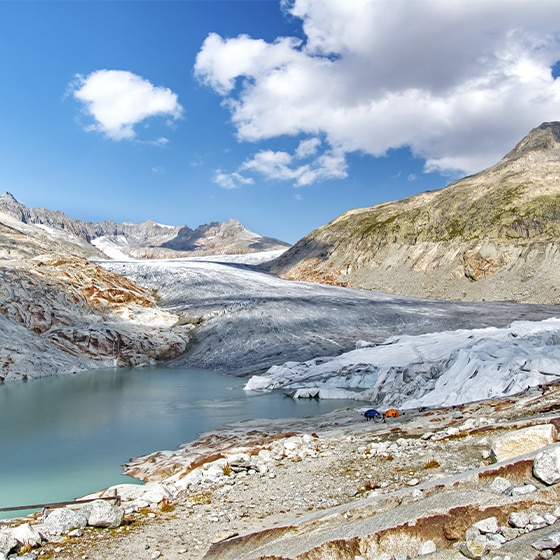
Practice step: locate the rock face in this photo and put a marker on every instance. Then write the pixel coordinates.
(148, 239)
(490, 236)
(61, 313)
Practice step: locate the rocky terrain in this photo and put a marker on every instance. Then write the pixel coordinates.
(148, 240)
(479, 480)
(61, 313)
(491, 236)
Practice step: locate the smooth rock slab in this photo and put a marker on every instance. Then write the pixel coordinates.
(523, 441)
(550, 541)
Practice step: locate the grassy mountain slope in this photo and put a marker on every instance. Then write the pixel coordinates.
(493, 235)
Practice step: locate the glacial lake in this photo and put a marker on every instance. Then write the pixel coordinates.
(66, 436)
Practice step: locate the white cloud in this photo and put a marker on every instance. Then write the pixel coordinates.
(231, 180)
(283, 166)
(459, 82)
(307, 148)
(117, 100)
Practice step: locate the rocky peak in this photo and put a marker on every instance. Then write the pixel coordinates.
(149, 239)
(544, 138)
(489, 236)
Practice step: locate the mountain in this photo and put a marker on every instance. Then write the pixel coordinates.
(62, 313)
(490, 236)
(148, 239)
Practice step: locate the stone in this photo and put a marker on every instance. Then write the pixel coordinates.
(500, 485)
(519, 519)
(546, 466)
(103, 513)
(488, 525)
(427, 548)
(27, 535)
(62, 520)
(550, 541)
(7, 542)
(522, 441)
(510, 533)
(522, 490)
(474, 549)
(537, 521)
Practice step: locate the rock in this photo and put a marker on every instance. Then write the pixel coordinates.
(550, 541)
(522, 441)
(500, 485)
(62, 520)
(537, 521)
(474, 549)
(103, 513)
(519, 519)
(510, 533)
(489, 525)
(546, 466)
(27, 535)
(522, 490)
(7, 542)
(427, 548)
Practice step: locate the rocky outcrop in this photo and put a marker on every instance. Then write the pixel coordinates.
(147, 240)
(61, 313)
(490, 236)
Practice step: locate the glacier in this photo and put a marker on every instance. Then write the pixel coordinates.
(434, 369)
(249, 322)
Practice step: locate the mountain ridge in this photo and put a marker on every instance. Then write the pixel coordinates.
(493, 235)
(148, 239)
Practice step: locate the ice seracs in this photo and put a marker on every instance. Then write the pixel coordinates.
(438, 369)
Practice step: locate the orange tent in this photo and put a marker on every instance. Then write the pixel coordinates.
(392, 413)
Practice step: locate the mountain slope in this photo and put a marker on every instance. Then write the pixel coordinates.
(61, 313)
(490, 236)
(148, 239)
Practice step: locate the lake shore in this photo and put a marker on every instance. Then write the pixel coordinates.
(332, 465)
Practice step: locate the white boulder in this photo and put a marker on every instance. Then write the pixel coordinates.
(103, 513)
(523, 441)
(546, 466)
(62, 520)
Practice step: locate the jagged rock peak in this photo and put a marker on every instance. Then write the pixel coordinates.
(543, 138)
(149, 239)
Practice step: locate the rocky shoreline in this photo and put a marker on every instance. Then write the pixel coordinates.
(335, 486)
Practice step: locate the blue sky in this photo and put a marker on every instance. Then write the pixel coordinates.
(282, 114)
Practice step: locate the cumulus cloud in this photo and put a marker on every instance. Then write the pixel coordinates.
(118, 100)
(283, 166)
(458, 82)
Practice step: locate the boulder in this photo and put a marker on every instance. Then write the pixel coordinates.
(7, 542)
(103, 513)
(522, 441)
(488, 525)
(546, 466)
(27, 535)
(63, 520)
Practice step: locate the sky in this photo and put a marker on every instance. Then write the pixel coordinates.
(282, 114)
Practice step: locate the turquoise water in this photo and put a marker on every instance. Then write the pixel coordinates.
(63, 437)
